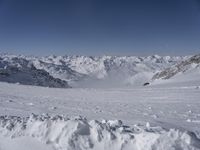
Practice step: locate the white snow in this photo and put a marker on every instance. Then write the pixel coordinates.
(164, 115)
(85, 71)
(79, 134)
(159, 117)
(22, 143)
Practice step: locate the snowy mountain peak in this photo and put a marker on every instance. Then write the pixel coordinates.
(107, 69)
(84, 71)
(192, 63)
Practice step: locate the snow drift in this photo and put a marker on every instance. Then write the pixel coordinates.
(80, 134)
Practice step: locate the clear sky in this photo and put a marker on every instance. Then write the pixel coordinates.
(100, 27)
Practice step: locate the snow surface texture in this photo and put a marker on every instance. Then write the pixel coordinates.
(84, 71)
(79, 134)
(172, 112)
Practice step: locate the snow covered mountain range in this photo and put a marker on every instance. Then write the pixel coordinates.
(90, 71)
(163, 115)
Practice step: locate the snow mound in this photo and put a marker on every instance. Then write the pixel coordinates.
(80, 134)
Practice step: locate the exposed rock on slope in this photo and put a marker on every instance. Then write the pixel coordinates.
(101, 67)
(105, 70)
(182, 67)
(59, 71)
(20, 70)
(89, 70)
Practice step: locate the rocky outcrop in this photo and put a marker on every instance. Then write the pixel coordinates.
(22, 71)
(183, 66)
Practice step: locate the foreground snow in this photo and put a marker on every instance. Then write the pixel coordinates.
(79, 134)
(172, 111)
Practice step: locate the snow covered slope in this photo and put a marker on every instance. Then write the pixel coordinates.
(158, 117)
(188, 69)
(20, 70)
(155, 117)
(111, 71)
(85, 71)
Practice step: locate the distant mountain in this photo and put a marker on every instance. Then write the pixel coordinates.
(100, 67)
(19, 70)
(105, 70)
(83, 71)
(188, 66)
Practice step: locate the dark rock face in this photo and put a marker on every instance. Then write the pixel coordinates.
(19, 70)
(181, 67)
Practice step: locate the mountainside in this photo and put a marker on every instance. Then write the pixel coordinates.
(20, 70)
(187, 70)
(100, 67)
(84, 71)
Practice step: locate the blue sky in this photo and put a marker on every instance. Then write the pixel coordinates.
(100, 27)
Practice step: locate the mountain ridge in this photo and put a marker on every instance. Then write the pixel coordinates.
(181, 67)
(80, 71)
